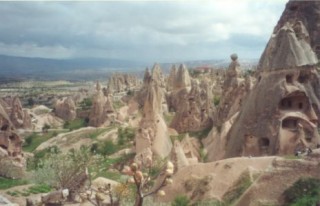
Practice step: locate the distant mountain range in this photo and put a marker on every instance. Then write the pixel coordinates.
(14, 68)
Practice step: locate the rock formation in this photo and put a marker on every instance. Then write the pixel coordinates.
(65, 109)
(185, 153)
(152, 138)
(102, 108)
(307, 12)
(172, 78)
(235, 88)
(156, 74)
(193, 106)
(281, 113)
(122, 82)
(154, 77)
(12, 162)
(19, 117)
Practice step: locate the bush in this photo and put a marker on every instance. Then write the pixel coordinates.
(181, 200)
(305, 191)
(216, 100)
(8, 183)
(75, 124)
(125, 135)
(107, 148)
(86, 103)
(238, 188)
(58, 170)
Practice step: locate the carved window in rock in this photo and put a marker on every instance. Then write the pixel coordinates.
(264, 142)
(289, 79)
(308, 136)
(290, 123)
(4, 127)
(303, 78)
(317, 48)
(296, 101)
(3, 146)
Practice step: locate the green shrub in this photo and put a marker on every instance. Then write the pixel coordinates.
(75, 124)
(86, 103)
(304, 192)
(238, 189)
(8, 183)
(105, 148)
(35, 139)
(181, 200)
(216, 100)
(125, 135)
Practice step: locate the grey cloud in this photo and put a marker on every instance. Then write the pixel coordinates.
(153, 31)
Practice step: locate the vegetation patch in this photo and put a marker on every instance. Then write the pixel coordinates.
(36, 189)
(86, 103)
(8, 183)
(200, 134)
(98, 132)
(238, 189)
(118, 104)
(75, 124)
(181, 200)
(35, 139)
(168, 117)
(304, 192)
(216, 100)
(125, 135)
(40, 156)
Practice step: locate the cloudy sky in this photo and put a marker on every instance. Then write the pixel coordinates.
(148, 31)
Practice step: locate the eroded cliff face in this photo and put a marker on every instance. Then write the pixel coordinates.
(12, 162)
(308, 12)
(235, 91)
(281, 113)
(65, 109)
(122, 82)
(152, 138)
(191, 100)
(19, 117)
(102, 108)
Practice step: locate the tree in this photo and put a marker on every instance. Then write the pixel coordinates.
(65, 171)
(142, 181)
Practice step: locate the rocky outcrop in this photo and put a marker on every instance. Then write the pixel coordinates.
(307, 12)
(288, 48)
(193, 108)
(152, 138)
(19, 117)
(65, 109)
(12, 162)
(123, 82)
(235, 88)
(172, 78)
(102, 108)
(178, 79)
(155, 77)
(281, 114)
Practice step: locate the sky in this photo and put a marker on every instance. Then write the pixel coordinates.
(146, 31)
